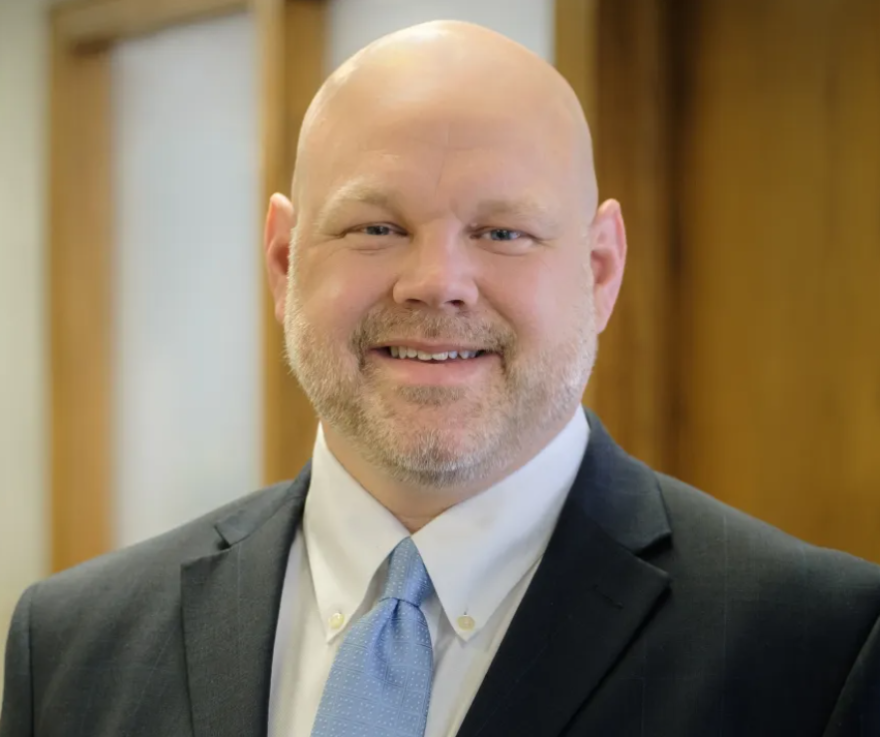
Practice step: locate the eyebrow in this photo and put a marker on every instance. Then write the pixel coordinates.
(357, 193)
(526, 208)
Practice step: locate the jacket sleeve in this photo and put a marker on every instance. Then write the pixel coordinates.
(857, 712)
(16, 713)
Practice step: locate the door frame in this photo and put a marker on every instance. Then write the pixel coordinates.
(81, 216)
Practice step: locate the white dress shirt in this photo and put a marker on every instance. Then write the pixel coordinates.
(481, 555)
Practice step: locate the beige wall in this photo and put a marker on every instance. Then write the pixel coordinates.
(23, 336)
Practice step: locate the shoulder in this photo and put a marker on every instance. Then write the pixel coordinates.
(150, 570)
(760, 563)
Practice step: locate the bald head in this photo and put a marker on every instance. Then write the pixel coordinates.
(443, 271)
(450, 75)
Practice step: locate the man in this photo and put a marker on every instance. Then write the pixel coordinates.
(468, 552)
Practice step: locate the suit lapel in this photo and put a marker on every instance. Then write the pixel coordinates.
(590, 595)
(230, 612)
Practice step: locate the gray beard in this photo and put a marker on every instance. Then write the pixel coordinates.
(534, 398)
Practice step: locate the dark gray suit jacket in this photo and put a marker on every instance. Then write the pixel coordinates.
(656, 612)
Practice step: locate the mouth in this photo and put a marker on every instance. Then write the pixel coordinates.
(432, 355)
(418, 364)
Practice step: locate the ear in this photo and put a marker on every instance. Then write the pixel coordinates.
(607, 259)
(276, 242)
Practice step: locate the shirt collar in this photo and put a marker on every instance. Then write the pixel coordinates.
(348, 535)
(475, 552)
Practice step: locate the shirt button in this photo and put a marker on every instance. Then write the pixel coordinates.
(466, 623)
(337, 620)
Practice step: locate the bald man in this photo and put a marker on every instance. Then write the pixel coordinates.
(468, 553)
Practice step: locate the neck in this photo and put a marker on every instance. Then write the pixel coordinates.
(415, 505)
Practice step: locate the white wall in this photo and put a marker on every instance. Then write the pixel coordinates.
(355, 23)
(188, 280)
(23, 337)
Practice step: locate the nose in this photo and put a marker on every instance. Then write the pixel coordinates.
(438, 272)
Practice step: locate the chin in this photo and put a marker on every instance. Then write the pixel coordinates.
(438, 470)
(437, 455)
(417, 438)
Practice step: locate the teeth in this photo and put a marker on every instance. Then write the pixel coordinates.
(405, 352)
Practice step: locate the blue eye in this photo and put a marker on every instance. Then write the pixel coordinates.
(503, 234)
(378, 230)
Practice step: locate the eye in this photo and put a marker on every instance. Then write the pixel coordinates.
(374, 237)
(503, 234)
(380, 230)
(505, 241)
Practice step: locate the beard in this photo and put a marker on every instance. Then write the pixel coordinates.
(435, 436)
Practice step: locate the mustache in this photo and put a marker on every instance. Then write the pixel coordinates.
(383, 325)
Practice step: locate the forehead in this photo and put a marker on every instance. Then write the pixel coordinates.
(430, 152)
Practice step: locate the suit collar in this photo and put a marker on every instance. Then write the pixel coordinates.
(249, 517)
(590, 595)
(230, 605)
(616, 491)
(619, 493)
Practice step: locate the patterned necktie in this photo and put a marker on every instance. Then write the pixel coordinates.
(380, 682)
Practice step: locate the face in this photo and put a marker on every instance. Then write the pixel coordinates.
(439, 307)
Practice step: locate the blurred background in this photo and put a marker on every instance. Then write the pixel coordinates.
(141, 372)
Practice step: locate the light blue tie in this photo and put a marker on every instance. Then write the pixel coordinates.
(380, 682)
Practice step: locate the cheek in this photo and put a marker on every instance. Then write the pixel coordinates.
(542, 298)
(337, 290)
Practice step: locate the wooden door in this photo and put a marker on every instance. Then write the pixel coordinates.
(777, 125)
(743, 141)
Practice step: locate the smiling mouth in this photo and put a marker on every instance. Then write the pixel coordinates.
(404, 353)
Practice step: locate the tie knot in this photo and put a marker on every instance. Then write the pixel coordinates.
(408, 579)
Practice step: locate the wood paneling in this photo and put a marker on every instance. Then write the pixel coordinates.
(576, 29)
(616, 56)
(779, 182)
(80, 251)
(741, 139)
(293, 33)
(633, 378)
